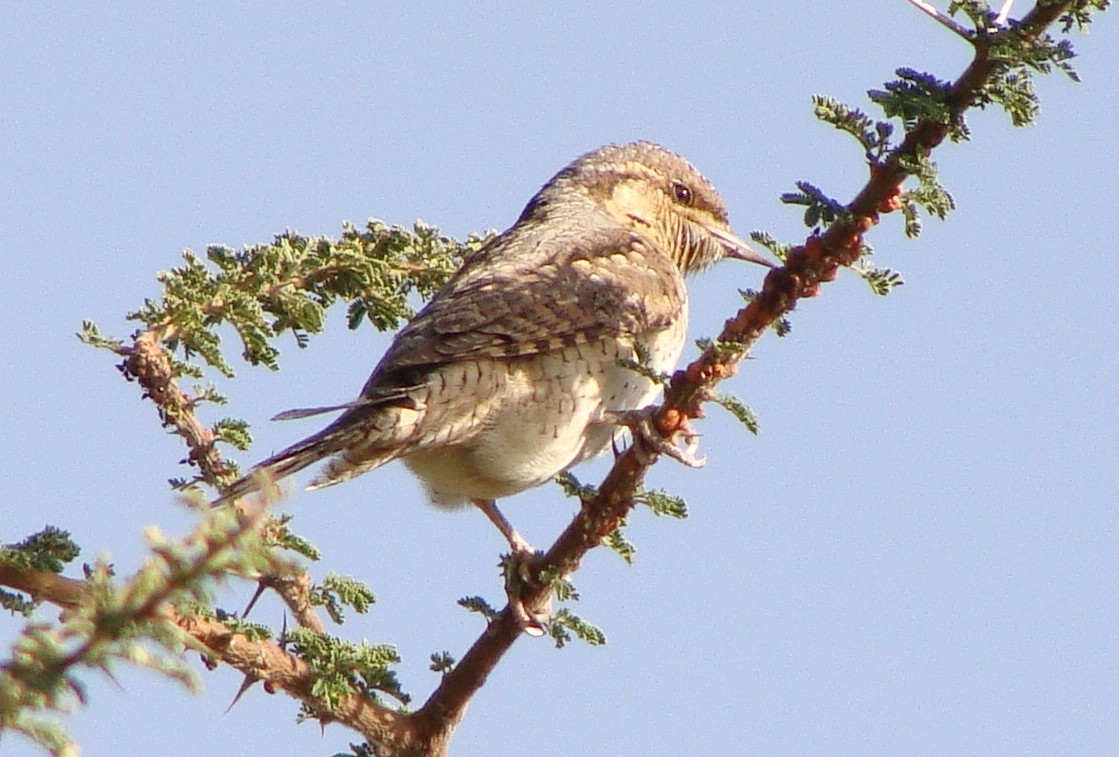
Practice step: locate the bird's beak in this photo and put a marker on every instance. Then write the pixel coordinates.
(735, 248)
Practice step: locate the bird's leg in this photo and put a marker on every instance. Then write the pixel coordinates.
(517, 571)
(517, 543)
(648, 440)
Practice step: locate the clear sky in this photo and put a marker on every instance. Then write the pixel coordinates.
(916, 556)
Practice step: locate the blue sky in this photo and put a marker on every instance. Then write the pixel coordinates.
(916, 556)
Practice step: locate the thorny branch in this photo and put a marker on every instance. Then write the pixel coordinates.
(148, 361)
(258, 660)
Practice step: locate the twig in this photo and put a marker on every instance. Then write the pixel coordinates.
(147, 360)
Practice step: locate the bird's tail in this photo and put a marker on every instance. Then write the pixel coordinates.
(281, 465)
(340, 442)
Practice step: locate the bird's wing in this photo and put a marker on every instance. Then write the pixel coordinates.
(532, 291)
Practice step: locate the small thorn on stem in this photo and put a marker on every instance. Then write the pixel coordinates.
(946, 20)
(1004, 13)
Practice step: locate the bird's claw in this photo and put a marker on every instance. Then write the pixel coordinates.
(648, 441)
(517, 568)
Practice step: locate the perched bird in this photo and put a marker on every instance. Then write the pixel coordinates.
(510, 374)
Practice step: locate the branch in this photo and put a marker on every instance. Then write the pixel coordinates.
(376, 270)
(152, 367)
(259, 660)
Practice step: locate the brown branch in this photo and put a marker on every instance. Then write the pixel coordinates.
(41, 585)
(149, 363)
(295, 591)
(280, 669)
(259, 660)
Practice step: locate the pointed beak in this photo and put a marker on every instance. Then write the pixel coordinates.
(736, 248)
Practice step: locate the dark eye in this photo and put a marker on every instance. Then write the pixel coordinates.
(681, 192)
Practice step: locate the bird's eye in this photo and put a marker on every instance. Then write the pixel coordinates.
(681, 192)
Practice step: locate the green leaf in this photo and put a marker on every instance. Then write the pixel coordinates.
(337, 591)
(882, 281)
(564, 589)
(252, 631)
(662, 503)
(566, 623)
(48, 550)
(721, 350)
(736, 407)
(16, 603)
(617, 541)
(479, 605)
(929, 192)
(281, 536)
(343, 669)
(91, 335)
(234, 432)
(874, 136)
(820, 210)
(572, 487)
(917, 96)
(780, 250)
(442, 662)
(641, 365)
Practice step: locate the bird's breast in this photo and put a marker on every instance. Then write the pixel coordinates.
(535, 416)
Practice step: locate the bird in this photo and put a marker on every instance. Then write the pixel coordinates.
(515, 370)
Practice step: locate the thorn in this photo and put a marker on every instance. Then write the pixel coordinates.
(614, 446)
(946, 20)
(1004, 13)
(252, 601)
(245, 686)
(108, 674)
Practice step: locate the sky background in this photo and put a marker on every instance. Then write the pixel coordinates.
(918, 555)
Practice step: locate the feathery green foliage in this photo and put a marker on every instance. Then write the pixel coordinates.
(480, 606)
(616, 540)
(116, 621)
(662, 503)
(573, 487)
(565, 623)
(344, 669)
(49, 550)
(740, 410)
(337, 591)
(250, 630)
(819, 208)
(641, 365)
(442, 662)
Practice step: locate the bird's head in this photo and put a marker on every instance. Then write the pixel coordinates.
(657, 194)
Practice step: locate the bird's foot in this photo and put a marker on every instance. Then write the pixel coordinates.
(518, 570)
(649, 440)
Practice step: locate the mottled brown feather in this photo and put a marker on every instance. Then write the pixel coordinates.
(501, 380)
